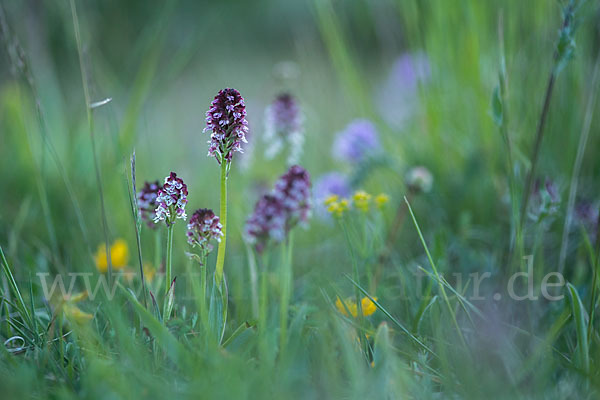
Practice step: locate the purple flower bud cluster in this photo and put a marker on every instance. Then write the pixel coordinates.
(146, 199)
(278, 212)
(203, 226)
(283, 126)
(545, 200)
(226, 119)
(358, 141)
(171, 200)
(267, 222)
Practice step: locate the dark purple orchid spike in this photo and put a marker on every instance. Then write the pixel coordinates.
(226, 120)
(147, 202)
(278, 212)
(266, 223)
(292, 189)
(171, 200)
(203, 226)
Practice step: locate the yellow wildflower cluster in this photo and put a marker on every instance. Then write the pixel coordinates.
(119, 255)
(337, 206)
(368, 307)
(361, 200)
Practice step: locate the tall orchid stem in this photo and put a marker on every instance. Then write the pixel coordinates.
(286, 289)
(168, 268)
(223, 217)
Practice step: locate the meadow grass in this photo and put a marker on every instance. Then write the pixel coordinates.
(435, 276)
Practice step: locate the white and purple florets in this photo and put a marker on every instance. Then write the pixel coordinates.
(171, 200)
(279, 211)
(226, 120)
(292, 189)
(203, 226)
(284, 127)
(358, 141)
(146, 200)
(267, 222)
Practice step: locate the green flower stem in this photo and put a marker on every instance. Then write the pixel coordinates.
(223, 218)
(203, 308)
(286, 290)
(168, 267)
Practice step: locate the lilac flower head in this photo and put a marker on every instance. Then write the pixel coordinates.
(171, 200)
(204, 225)
(292, 189)
(146, 199)
(356, 142)
(267, 222)
(226, 119)
(399, 90)
(283, 126)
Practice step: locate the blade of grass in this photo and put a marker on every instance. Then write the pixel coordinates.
(579, 319)
(435, 271)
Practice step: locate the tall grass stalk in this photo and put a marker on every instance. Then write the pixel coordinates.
(88, 109)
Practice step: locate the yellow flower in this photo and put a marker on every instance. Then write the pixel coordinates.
(381, 199)
(74, 314)
(335, 206)
(361, 200)
(119, 255)
(368, 307)
(149, 272)
(331, 199)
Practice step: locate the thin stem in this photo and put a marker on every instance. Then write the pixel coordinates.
(168, 267)
(203, 309)
(596, 263)
(223, 218)
(88, 109)
(286, 289)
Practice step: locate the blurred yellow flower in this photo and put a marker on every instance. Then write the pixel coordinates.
(381, 199)
(119, 255)
(149, 272)
(74, 314)
(331, 199)
(368, 307)
(361, 200)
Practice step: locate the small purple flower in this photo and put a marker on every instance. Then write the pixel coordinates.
(226, 120)
(356, 142)
(171, 200)
(396, 96)
(292, 189)
(267, 222)
(283, 126)
(146, 199)
(204, 225)
(586, 213)
(545, 200)
(331, 183)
